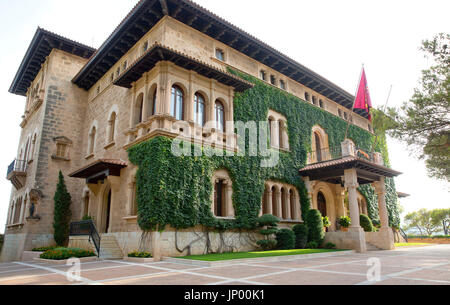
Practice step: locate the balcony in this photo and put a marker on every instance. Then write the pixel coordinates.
(17, 173)
(338, 152)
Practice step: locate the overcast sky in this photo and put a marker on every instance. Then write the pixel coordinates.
(333, 38)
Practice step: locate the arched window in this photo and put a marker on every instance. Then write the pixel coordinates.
(138, 110)
(177, 107)
(112, 127)
(223, 195)
(33, 146)
(153, 108)
(91, 145)
(199, 109)
(220, 116)
(318, 147)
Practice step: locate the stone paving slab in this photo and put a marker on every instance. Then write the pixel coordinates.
(413, 266)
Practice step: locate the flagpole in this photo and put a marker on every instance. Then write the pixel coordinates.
(354, 101)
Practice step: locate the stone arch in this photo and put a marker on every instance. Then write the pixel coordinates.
(138, 110)
(104, 211)
(152, 101)
(92, 138)
(278, 130)
(112, 125)
(222, 198)
(327, 192)
(319, 144)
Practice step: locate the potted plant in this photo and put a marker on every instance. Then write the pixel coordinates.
(326, 223)
(344, 222)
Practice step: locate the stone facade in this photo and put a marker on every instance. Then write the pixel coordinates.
(67, 128)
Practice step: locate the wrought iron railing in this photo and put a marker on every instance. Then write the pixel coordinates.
(404, 235)
(86, 228)
(333, 153)
(17, 166)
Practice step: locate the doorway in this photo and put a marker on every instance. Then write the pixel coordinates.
(322, 204)
(107, 212)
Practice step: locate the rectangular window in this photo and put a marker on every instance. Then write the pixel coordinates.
(273, 80)
(220, 54)
(61, 150)
(282, 85)
(262, 74)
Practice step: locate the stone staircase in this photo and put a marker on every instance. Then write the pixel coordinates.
(371, 247)
(109, 248)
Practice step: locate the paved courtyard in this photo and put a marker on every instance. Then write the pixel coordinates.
(410, 266)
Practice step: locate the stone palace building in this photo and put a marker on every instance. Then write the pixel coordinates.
(105, 117)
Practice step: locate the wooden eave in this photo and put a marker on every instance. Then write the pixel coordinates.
(41, 46)
(147, 13)
(159, 53)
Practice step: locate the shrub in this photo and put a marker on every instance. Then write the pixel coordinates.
(345, 221)
(326, 222)
(87, 217)
(376, 223)
(366, 223)
(43, 249)
(62, 213)
(267, 244)
(66, 253)
(312, 245)
(330, 246)
(301, 236)
(140, 254)
(315, 227)
(269, 223)
(285, 239)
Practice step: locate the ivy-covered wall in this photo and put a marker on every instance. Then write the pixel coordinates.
(177, 191)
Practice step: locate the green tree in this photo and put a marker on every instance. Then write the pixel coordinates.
(441, 217)
(422, 221)
(62, 213)
(424, 122)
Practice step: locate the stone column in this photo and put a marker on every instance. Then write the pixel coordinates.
(356, 234)
(386, 236)
(297, 209)
(211, 107)
(340, 201)
(287, 207)
(190, 98)
(229, 196)
(275, 134)
(380, 188)
(279, 204)
(131, 195)
(133, 101)
(164, 90)
(269, 203)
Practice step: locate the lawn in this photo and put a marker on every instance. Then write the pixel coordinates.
(410, 244)
(243, 255)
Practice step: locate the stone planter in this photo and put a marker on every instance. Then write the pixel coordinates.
(28, 256)
(64, 262)
(139, 260)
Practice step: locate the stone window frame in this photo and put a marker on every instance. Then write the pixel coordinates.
(92, 139)
(279, 136)
(198, 96)
(222, 53)
(317, 130)
(62, 148)
(223, 175)
(263, 75)
(111, 131)
(283, 85)
(273, 80)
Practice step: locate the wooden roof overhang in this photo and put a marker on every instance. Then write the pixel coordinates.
(42, 44)
(159, 53)
(149, 12)
(99, 170)
(333, 171)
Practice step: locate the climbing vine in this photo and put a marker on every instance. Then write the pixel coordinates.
(177, 191)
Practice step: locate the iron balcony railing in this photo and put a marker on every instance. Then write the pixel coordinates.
(333, 153)
(86, 228)
(17, 166)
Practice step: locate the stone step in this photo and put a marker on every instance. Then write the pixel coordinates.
(371, 247)
(109, 248)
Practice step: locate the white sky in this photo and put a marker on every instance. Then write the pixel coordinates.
(333, 38)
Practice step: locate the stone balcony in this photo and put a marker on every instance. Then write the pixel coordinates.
(17, 173)
(165, 125)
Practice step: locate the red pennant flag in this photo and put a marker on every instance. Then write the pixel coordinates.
(363, 100)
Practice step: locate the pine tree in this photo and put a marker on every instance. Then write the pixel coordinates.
(62, 213)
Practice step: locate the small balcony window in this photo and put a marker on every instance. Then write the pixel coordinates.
(220, 54)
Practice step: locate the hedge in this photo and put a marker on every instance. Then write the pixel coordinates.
(301, 236)
(285, 239)
(316, 231)
(66, 253)
(366, 223)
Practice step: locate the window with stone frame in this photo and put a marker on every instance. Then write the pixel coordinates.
(62, 148)
(273, 80)
(282, 85)
(262, 75)
(220, 54)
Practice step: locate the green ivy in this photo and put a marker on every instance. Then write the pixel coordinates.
(177, 191)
